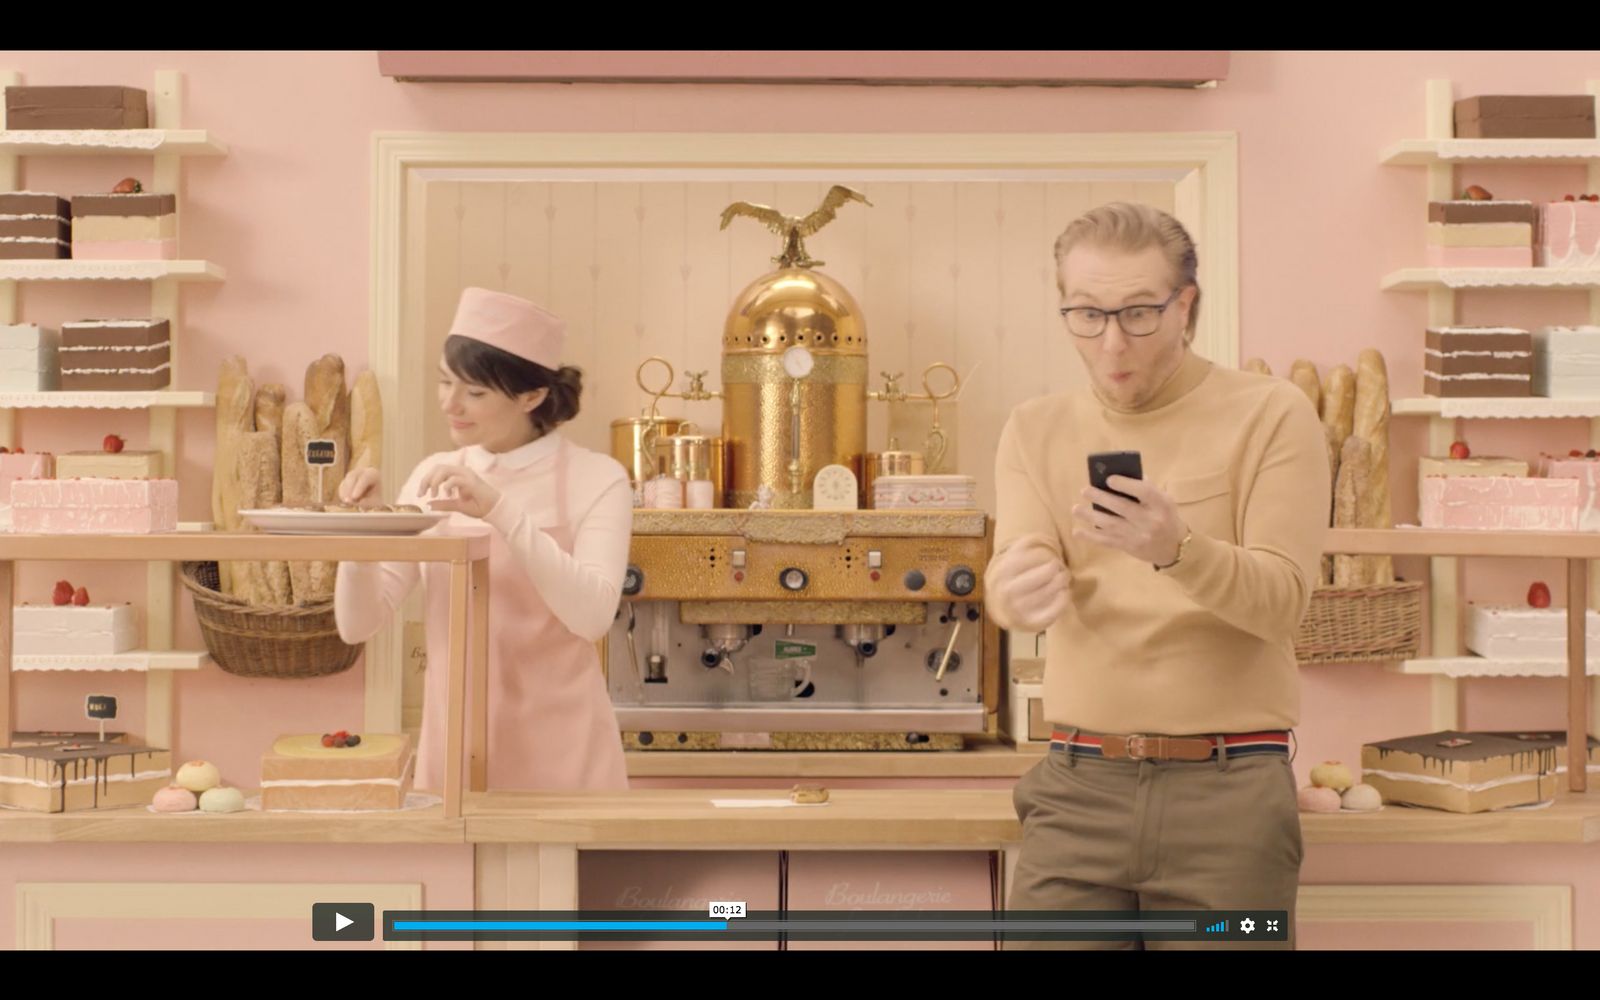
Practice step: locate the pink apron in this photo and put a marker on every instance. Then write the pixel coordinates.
(551, 725)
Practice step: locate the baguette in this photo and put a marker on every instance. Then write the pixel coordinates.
(1355, 480)
(256, 470)
(366, 423)
(324, 384)
(270, 401)
(235, 417)
(1372, 413)
(298, 428)
(1304, 374)
(1339, 401)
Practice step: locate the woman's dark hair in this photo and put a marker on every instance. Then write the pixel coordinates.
(478, 363)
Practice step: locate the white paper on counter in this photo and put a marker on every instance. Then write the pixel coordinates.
(760, 803)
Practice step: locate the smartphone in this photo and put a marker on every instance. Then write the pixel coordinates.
(1105, 464)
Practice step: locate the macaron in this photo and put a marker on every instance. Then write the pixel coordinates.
(222, 800)
(198, 776)
(173, 799)
(1318, 800)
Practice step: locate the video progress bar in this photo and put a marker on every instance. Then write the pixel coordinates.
(992, 926)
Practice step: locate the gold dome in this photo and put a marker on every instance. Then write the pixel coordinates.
(795, 306)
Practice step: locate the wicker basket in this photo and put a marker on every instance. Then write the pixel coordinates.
(1379, 623)
(250, 641)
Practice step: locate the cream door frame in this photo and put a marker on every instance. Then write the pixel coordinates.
(1207, 200)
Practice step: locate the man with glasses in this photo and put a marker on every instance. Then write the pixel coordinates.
(1170, 674)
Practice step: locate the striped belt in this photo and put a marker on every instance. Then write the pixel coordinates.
(1184, 748)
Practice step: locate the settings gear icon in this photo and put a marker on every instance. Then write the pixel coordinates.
(1247, 925)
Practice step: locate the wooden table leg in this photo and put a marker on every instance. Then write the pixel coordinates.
(7, 568)
(456, 705)
(1577, 675)
(480, 676)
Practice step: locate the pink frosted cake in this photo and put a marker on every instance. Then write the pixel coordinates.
(1569, 234)
(1481, 233)
(1511, 633)
(94, 506)
(68, 630)
(1586, 470)
(1499, 503)
(20, 465)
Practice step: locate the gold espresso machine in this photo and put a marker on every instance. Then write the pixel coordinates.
(766, 623)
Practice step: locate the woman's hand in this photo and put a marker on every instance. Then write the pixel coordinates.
(458, 488)
(361, 484)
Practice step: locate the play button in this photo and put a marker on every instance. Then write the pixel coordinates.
(342, 921)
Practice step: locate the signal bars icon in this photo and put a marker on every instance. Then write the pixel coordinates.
(1220, 927)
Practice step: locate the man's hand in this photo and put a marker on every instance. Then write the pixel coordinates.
(1027, 584)
(1150, 530)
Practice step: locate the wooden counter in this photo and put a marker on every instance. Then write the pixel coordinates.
(138, 825)
(685, 819)
(978, 762)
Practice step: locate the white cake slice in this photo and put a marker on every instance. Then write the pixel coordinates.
(69, 630)
(28, 358)
(1566, 361)
(1509, 633)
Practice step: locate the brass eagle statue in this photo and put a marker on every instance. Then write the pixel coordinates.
(794, 228)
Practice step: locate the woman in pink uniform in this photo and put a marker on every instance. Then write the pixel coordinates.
(560, 518)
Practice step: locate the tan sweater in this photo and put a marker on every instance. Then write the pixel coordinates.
(1207, 646)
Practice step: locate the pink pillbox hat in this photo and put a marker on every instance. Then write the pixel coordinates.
(512, 324)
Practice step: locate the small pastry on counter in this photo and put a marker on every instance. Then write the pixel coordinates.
(1362, 798)
(808, 794)
(1332, 774)
(198, 776)
(173, 799)
(1318, 800)
(222, 800)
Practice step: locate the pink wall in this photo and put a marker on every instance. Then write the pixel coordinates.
(287, 213)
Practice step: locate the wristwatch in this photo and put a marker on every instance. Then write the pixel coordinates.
(1183, 547)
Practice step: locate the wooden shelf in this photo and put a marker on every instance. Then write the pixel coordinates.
(175, 546)
(1478, 666)
(111, 270)
(110, 142)
(67, 400)
(135, 662)
(1428, 152)
(1435, 542)
(1572, 819)
(1497, 408)
(1423, 279)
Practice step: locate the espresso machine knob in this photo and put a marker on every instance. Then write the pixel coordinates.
(961, 581)
(793, 579)
(915, 580)
(633, 581)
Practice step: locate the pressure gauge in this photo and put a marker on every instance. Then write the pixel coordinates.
(798, 362)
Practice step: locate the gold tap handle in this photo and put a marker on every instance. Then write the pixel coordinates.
(891, 393)
(937, 444)
(666, 387)
(949, 648)
(633, 652)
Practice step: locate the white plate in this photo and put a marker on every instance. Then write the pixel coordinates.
(307, 522)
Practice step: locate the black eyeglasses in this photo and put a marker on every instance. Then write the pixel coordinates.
(1136, 321)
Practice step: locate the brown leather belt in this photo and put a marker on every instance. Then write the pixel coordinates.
(1156, 748)
(1179, 748)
